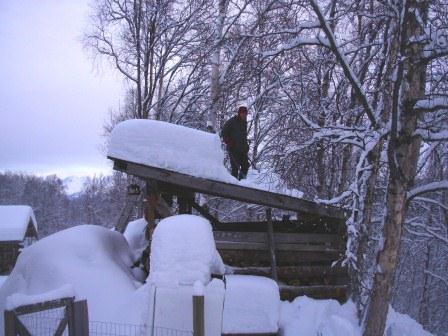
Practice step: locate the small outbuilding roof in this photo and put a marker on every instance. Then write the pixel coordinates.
(17, 222)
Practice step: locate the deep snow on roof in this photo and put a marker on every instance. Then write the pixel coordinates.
(14, 220)
(181, 149)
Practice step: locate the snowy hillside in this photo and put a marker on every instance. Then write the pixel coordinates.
(92, 262)
(74, 184)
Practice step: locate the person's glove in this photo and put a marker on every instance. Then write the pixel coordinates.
(229, 142)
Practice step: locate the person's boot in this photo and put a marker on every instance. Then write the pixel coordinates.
(242, 176)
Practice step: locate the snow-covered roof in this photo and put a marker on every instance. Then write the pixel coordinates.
(169, 146)
(181, 149)
(14, 222)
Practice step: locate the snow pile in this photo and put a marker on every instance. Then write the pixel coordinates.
(251, 305)
(3, 279)
(93, 262)
(183, 250)
(135, 236)
(305, 316)
(18, 299)
(169, 146)
(14, 220)
(174, 309)
(269, 182)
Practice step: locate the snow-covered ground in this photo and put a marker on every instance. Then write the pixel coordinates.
(94, 263)
(184, 150)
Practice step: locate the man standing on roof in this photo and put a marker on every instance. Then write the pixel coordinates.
(234, 135)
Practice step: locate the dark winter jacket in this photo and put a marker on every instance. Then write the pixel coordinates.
(234, 134)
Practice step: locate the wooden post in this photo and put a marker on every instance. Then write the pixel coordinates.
(150, 209)
(10, 326)
(198, 309)
(80, 318)
(271, 244)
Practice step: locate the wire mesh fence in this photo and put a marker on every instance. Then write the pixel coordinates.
(43, 323)
(46, 323)
(100, 328)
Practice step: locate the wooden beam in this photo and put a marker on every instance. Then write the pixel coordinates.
(228, 190)
(204, 213)
(338, 292)
(332, 240)
(298, 272)
(271, 244)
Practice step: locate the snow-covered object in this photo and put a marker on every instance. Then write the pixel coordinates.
(183, 250)
(94, 261)
(14, 220)
(401, 324)
(305, 316)
(169, 146)
(3, 279)
(183, 150)
(135, 236)
(251, 305)
(19, 299)
(174, 309)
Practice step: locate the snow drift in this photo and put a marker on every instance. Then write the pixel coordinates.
(183, 250)
(88, 261)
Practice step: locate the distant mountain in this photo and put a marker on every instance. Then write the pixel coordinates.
(73, 184)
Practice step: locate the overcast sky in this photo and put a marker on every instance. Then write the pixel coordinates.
(53, 101)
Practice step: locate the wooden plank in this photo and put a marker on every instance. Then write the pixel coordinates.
(21, 329)
(62, 325)
(33, 308)
(338, 292)
(227, 190)
(126, 213)
(280, 238)
(204, 213)
(293, 226)
(261, 257)
(225, 245)
(293, 271)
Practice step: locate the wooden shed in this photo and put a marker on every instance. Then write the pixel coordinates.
(18, 229)
(302, 252)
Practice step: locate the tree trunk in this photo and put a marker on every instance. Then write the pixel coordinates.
(215, 87)
(403, 153)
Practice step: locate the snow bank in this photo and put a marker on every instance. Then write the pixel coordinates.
(308, 317)
(93, 261)
(14, 220)
(169, 146)
(183, 250)
(251, 305)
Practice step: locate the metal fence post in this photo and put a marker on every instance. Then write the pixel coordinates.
(198, 309)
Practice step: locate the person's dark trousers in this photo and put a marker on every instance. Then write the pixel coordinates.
(239, 163)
